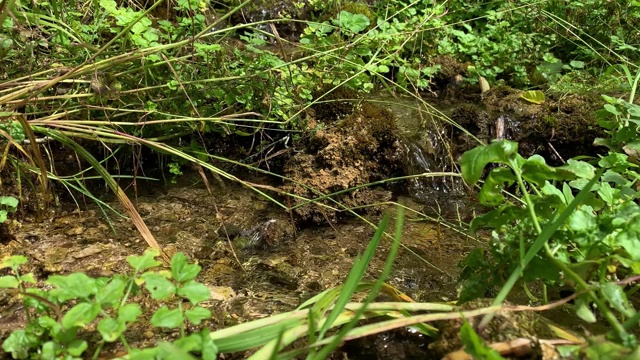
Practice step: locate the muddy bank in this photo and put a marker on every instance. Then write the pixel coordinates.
(359, 149)
(254, 261)
(558, 129)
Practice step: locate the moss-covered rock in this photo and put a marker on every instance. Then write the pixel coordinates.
(559, 129)
(362, 148)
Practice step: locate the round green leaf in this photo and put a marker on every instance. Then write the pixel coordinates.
(167, 318)
(159, 287)
(111, 329)
(8, 282)
(111, 293)
(181, 270)
(129, 312)
(80, 315)
(74, 286)
(195, 292)
(197, 314)
(77, 347)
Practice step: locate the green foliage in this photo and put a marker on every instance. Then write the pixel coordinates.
(8, 204)
(595, 242)
(81, 301)
(12, 128)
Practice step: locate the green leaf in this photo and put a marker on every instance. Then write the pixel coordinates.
(383, 69)
(533, 96)
(167, 318)
(195, 292)
(111, 329)
(74, 286)
(607, 193)
(581, 169)
(553, 191)
(20, 343)
(28, 278)
(197, 314)
(353, 22)
(189, 343)
(50, 349)
(80, 315)
(146, 354)
(13, 261)
(582, 220)
(475, 346)
(612, 109)
(9, 201)
(209, 348)
(8, 282)
(535, 170)
(111, 293)
(159, 287)
(181, 270)
(129, 312)
(474, 161)
(491, 191)
(583, 310)
(630, 242)
(146, 261)
(77, 347)
(577, 64)
(616, 296)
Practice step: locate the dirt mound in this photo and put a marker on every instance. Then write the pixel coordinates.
(361, 149)
(558, 129)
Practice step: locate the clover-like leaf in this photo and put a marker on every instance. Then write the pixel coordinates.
(181, 270)
(197, 314)
(159, 287)
(80, 315)
(353, 22)
(164, 317)
(20, 343)
(111, 329)
(144, 262)
(195, 292)
(73, 286)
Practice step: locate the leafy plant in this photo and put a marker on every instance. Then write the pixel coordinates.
(8, 204)
(56, 317)
(550, 235)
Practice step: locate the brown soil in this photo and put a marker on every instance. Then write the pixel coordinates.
(558, 129)
(361, 149)
(252, 260)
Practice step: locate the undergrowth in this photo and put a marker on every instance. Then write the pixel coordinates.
(112, 76)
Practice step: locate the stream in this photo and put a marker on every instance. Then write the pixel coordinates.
(255, 261)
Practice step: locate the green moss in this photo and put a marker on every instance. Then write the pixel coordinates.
(550, 120)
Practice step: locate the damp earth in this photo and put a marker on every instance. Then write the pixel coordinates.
(258, 259)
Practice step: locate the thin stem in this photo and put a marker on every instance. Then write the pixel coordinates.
(582, 285)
